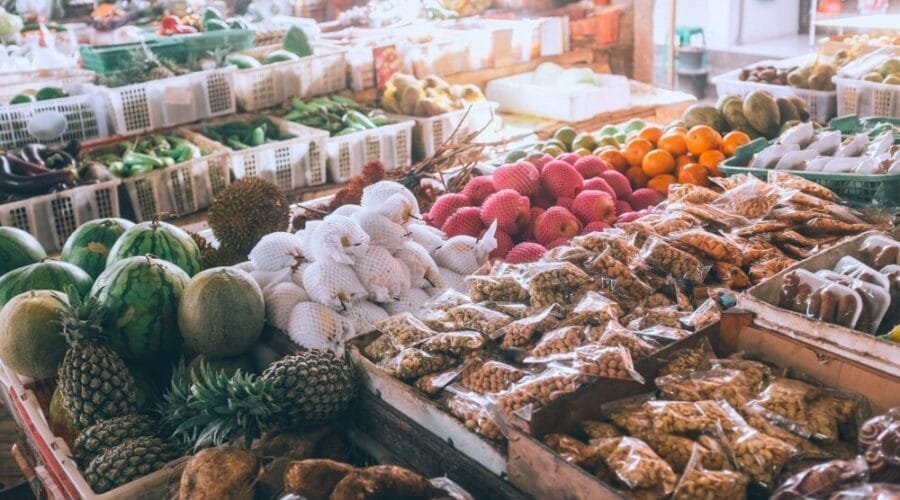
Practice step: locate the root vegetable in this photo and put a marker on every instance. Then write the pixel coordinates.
(315, 478)
(384, 482)
(221, 474)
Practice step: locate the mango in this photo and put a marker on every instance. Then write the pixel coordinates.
(762, 112)
(699, 114)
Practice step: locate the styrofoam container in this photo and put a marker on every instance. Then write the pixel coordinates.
(390, 144)
(822, 104)
(51, 218)
(290, 164)
(430, 132)
(573, 103)
(85, 112)
(172, 101)
(269, 85)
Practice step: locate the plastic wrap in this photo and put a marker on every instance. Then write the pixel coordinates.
(876, 300)
(752, 199)
(472, 410)
(787, 180)
(554, 282)
(521, 331)
(333, 284)
(691, 193)
(711, 215)
(673, 261)
(616, 335)
(815, 297)
(436, 382)
(575, 255)
(599, 430)
(711, 245)
(871, 491)
(688, 360)
(851, 266)
(446, 300)
(753, 374)
(766, 268)
(515, 310)
(659, 316)
(594, 309)
(412, 363)
(637, 231)
(315, 326)
(758, 455)
(534, 391)
(892, 273)
(715, 384)
(879, 251)
(496, 288)
(404, 329)
(561, 340)
(618, 278)
(637, 466)
(489, 376)
(613, 240)
(708, 313)
(577, 453)
(606, 362)
(479, 318)
(672, 417)
(675, 224)
(699, 482)
(453, 343)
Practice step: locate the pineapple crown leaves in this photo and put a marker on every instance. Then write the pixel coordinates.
(82, 318)
(214, 409)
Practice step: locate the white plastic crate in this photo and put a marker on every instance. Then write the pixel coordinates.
(290, 164)
(51, 218)
(822, 104)
(391, 144)
(85, 113)
(269, 85)
(432, 131)
(172, 101)
(575, 103)
(180, 189)
(55, 455)
(863, 98)
(61, 75)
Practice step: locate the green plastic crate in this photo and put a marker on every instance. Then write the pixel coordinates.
(109, 59)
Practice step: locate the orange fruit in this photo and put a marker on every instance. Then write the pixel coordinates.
(673, 142)
(636, 177)
(710, 159)
(651, 133)
(702, 138)
(694, 173)
(635, 150)
(661, 183)
(658, 162)
(683, 160)
(615, 159)
(733, 140)
(677, 130)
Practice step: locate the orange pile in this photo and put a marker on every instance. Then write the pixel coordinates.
(656, 158)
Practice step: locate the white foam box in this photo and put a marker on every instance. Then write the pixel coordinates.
(571, 103)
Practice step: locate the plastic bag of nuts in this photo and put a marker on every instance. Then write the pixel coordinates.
(707, 314)
(731, 276)
(711, 245)
(578, 453)
(617, 277)
(479, 318)
(688, 360)
(753, 374)
(489, 376)
(496, 288)
(607, 362)
(594, 309)
(636, 465)
(675, 223)
(699, 482)
(412, 363)
(472, 410)
(446, 300)
(594, 429)
(515, 310)
(613, 240)
(405, 329)
(561, 340)
(766, 268)
(791, 181)
(572, 254)
(752, 199)
(616, 335)
(435, 383)
(715, 384)
(663, 316)
(521, 331)
(453, 343)
(691, 193)
(534, 391)
(554, 282)
(383, 347)
(671, 260)
(758, 455)
(673, 417)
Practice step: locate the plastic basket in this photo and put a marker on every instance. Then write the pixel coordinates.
(60, 76)
(51, 218)
(822, 104)
(431, 132)
(199, 45)
(172, 101)
(863, 98)
(269, 85)
(860, 189)
(290, 164)
(390, 144)
(112, 58)
(55, 455)
(85, 113)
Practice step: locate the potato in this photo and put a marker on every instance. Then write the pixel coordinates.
(384, 482)
(220, 474)
(314, 478)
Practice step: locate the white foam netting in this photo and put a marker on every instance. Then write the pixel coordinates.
(245, 266)
(346, 210)
(315, 326)
(332, 284)
(306, 233)
(429, 237)
(339, 239)
(376, 194)
(453, 280)
(363, 316)
(381, 230)
(465, 254)
(423, 271)
(412, 302)
(266, 278)
(276, 251)
(297, 274)
(385, 277)
(280, 302)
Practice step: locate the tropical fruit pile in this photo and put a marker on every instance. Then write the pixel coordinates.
(758, 114)
(430, 96)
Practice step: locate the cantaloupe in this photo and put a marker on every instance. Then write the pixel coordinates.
(31, 340)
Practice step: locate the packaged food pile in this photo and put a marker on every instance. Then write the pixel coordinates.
(717, 425)
(860, 293)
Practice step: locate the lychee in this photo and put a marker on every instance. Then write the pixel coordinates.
(504, 245)
(618, 182)
(466, 220)
(597, 225)
(561, 179)
(591, 166)
(509, 208)
(598, 184)
(444, 207)
(644, 198)
(479, 188)
(522, 177)
(558, 242)
(590, 206)
(527, 251)
(555, 223)
(541, 161)
(569, 158)
(622, 206)
(565, 202)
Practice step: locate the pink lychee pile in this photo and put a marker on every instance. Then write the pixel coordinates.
(541, 204)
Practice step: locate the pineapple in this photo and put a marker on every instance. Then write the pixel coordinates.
(107, 434)
(94, 383)
(125, 462)
(317, 384)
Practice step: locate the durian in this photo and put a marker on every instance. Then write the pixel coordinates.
(246, 211)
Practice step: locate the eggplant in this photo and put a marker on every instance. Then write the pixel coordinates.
(21, 166)
(33, 153)
(31, 185)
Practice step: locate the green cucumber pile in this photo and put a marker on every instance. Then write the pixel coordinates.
(337, 114)
(242, 135)
(143, 155)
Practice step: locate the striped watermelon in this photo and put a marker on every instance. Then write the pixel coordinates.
(18, 248)
(161, 240)
(141, 295)
(88, 247)
(45, 275)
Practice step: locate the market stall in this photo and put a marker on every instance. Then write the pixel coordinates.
(442, 250)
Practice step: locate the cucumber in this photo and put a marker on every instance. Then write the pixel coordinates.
(215, 25)
(48, 93)
(242, 61)
(22, 99)
(281, 56)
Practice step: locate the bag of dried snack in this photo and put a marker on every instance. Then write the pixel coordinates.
(594, 429)
(616, 335)
(691, 193)
(710, 245)
(436, 382)
(618, 277)
(453, 343)
(613, 240)
(706, 315)
(752, 199)
(412, 363)
(637, 466)
(791, 181)
(534, 391)
(670, 260)
(446, 300)
(699, 482)
(715, 384)
(554, 282)
(489, 376)
(594, 309)
(479, 318)
(663, 335)
(662, 316)
(522, 331)
(473, 410)
(496, 288)
(577, 453)
(688, 360)
(758, 455)
(405, 329)
(561, 340)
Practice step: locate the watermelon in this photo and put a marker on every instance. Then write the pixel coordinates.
(45, 275)
(161, 240)
(221, 313)
(18, 248)
(88, 247)
(141, 295)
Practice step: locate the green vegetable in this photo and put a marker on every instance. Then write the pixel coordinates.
(354, 117)
(10, 24)
(133, 160)
(48, 93)
(237, 23)
(22, 99)
(209, 14)
(258, 137)
(242, 61)
(215, 25)
(281, 56)
(295, 41)
(236, 144)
